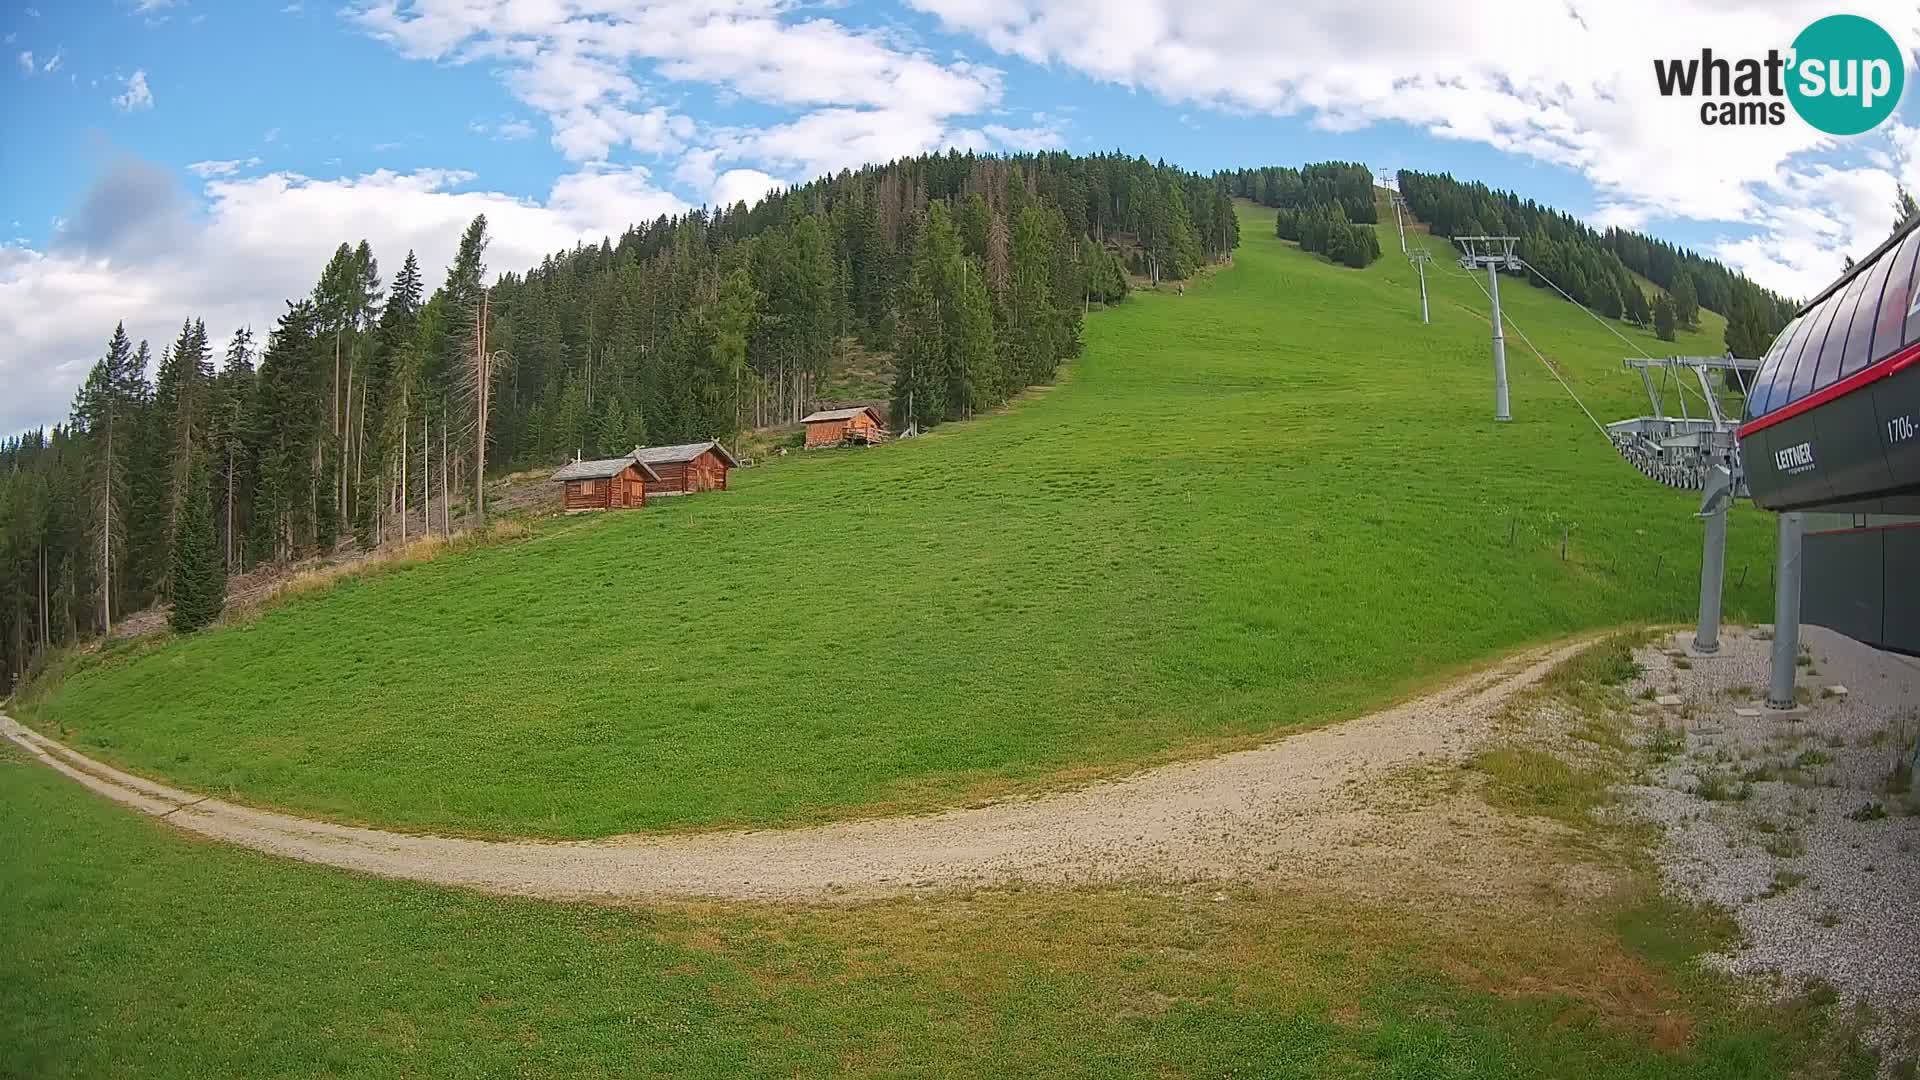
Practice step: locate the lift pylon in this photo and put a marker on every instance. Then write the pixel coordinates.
(1495, 253)
(1421, 257)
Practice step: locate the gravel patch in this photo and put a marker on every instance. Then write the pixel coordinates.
(1797, 824)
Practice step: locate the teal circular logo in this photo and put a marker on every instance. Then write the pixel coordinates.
(1847, 74)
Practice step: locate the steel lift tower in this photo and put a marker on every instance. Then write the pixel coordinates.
(1494, 253)
(1393, 195)
(1421, 257)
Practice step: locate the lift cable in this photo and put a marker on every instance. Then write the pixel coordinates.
(1538, 355)
(1623, 338)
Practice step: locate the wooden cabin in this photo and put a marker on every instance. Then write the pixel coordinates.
(608, 484)
(837, 427)
(687, 468)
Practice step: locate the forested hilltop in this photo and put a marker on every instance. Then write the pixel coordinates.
(1594, 266)
(1328, 209)
(373, 395)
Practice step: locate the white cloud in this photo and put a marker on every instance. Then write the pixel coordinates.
(53, 64)
(827, 140)
(263, 240)
(137, 95)
(741, 185)
(594, 69)
(27, 65)
(1028, 139)
(1570, 84)
(1812, 217)
(208, 169)
(514, 130)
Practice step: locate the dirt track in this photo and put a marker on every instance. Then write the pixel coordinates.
(1307, 807)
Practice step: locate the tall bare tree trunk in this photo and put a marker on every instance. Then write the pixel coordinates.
(360, 439)
(106, 538)
(346, 449)
(229, 538)
(402, 500)
(46, 629)
(483, 383)
(446, 503)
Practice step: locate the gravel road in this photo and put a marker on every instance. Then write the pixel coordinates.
(1305, 806)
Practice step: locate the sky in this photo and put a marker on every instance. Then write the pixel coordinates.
(173, 159)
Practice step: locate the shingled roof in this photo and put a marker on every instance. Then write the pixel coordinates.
(669, 455)
(840, 414)
(603, 468)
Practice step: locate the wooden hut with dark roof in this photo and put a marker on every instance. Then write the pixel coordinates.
(687, 467)
(618, 483)
(836, 427)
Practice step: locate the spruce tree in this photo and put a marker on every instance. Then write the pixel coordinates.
(1686, 302)
(198, 574)
(1664, 318)
(1032, 325)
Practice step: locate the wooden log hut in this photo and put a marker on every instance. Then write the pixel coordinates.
(836, 427)
(607, 484)
(687, 468)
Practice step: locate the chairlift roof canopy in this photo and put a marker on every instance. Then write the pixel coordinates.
(1833, 417)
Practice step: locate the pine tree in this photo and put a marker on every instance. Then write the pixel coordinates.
(1904, 206)
(231, 439)
(1686, 303)
(180, 414)
(1751, 322)
(198, 574)
(106, 410)
(921, 383)
(290, 416)
(1664, 318)
(1637, 311)
(1032, 325)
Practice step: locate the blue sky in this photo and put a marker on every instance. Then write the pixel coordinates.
(166, 159)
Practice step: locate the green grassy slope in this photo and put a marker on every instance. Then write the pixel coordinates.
(1275, 500)
(130, 950)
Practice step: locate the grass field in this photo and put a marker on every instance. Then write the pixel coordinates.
(1272, 501)
(127, 949)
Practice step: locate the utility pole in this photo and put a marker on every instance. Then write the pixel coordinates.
(1493, 252)
(1421, 257)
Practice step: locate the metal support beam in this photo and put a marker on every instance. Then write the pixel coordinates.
(1786, 614)
(1713, 400)
(1421, 257)
(1713, 558)
(1652, 394)
(1493, 252)
(1499, 350)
